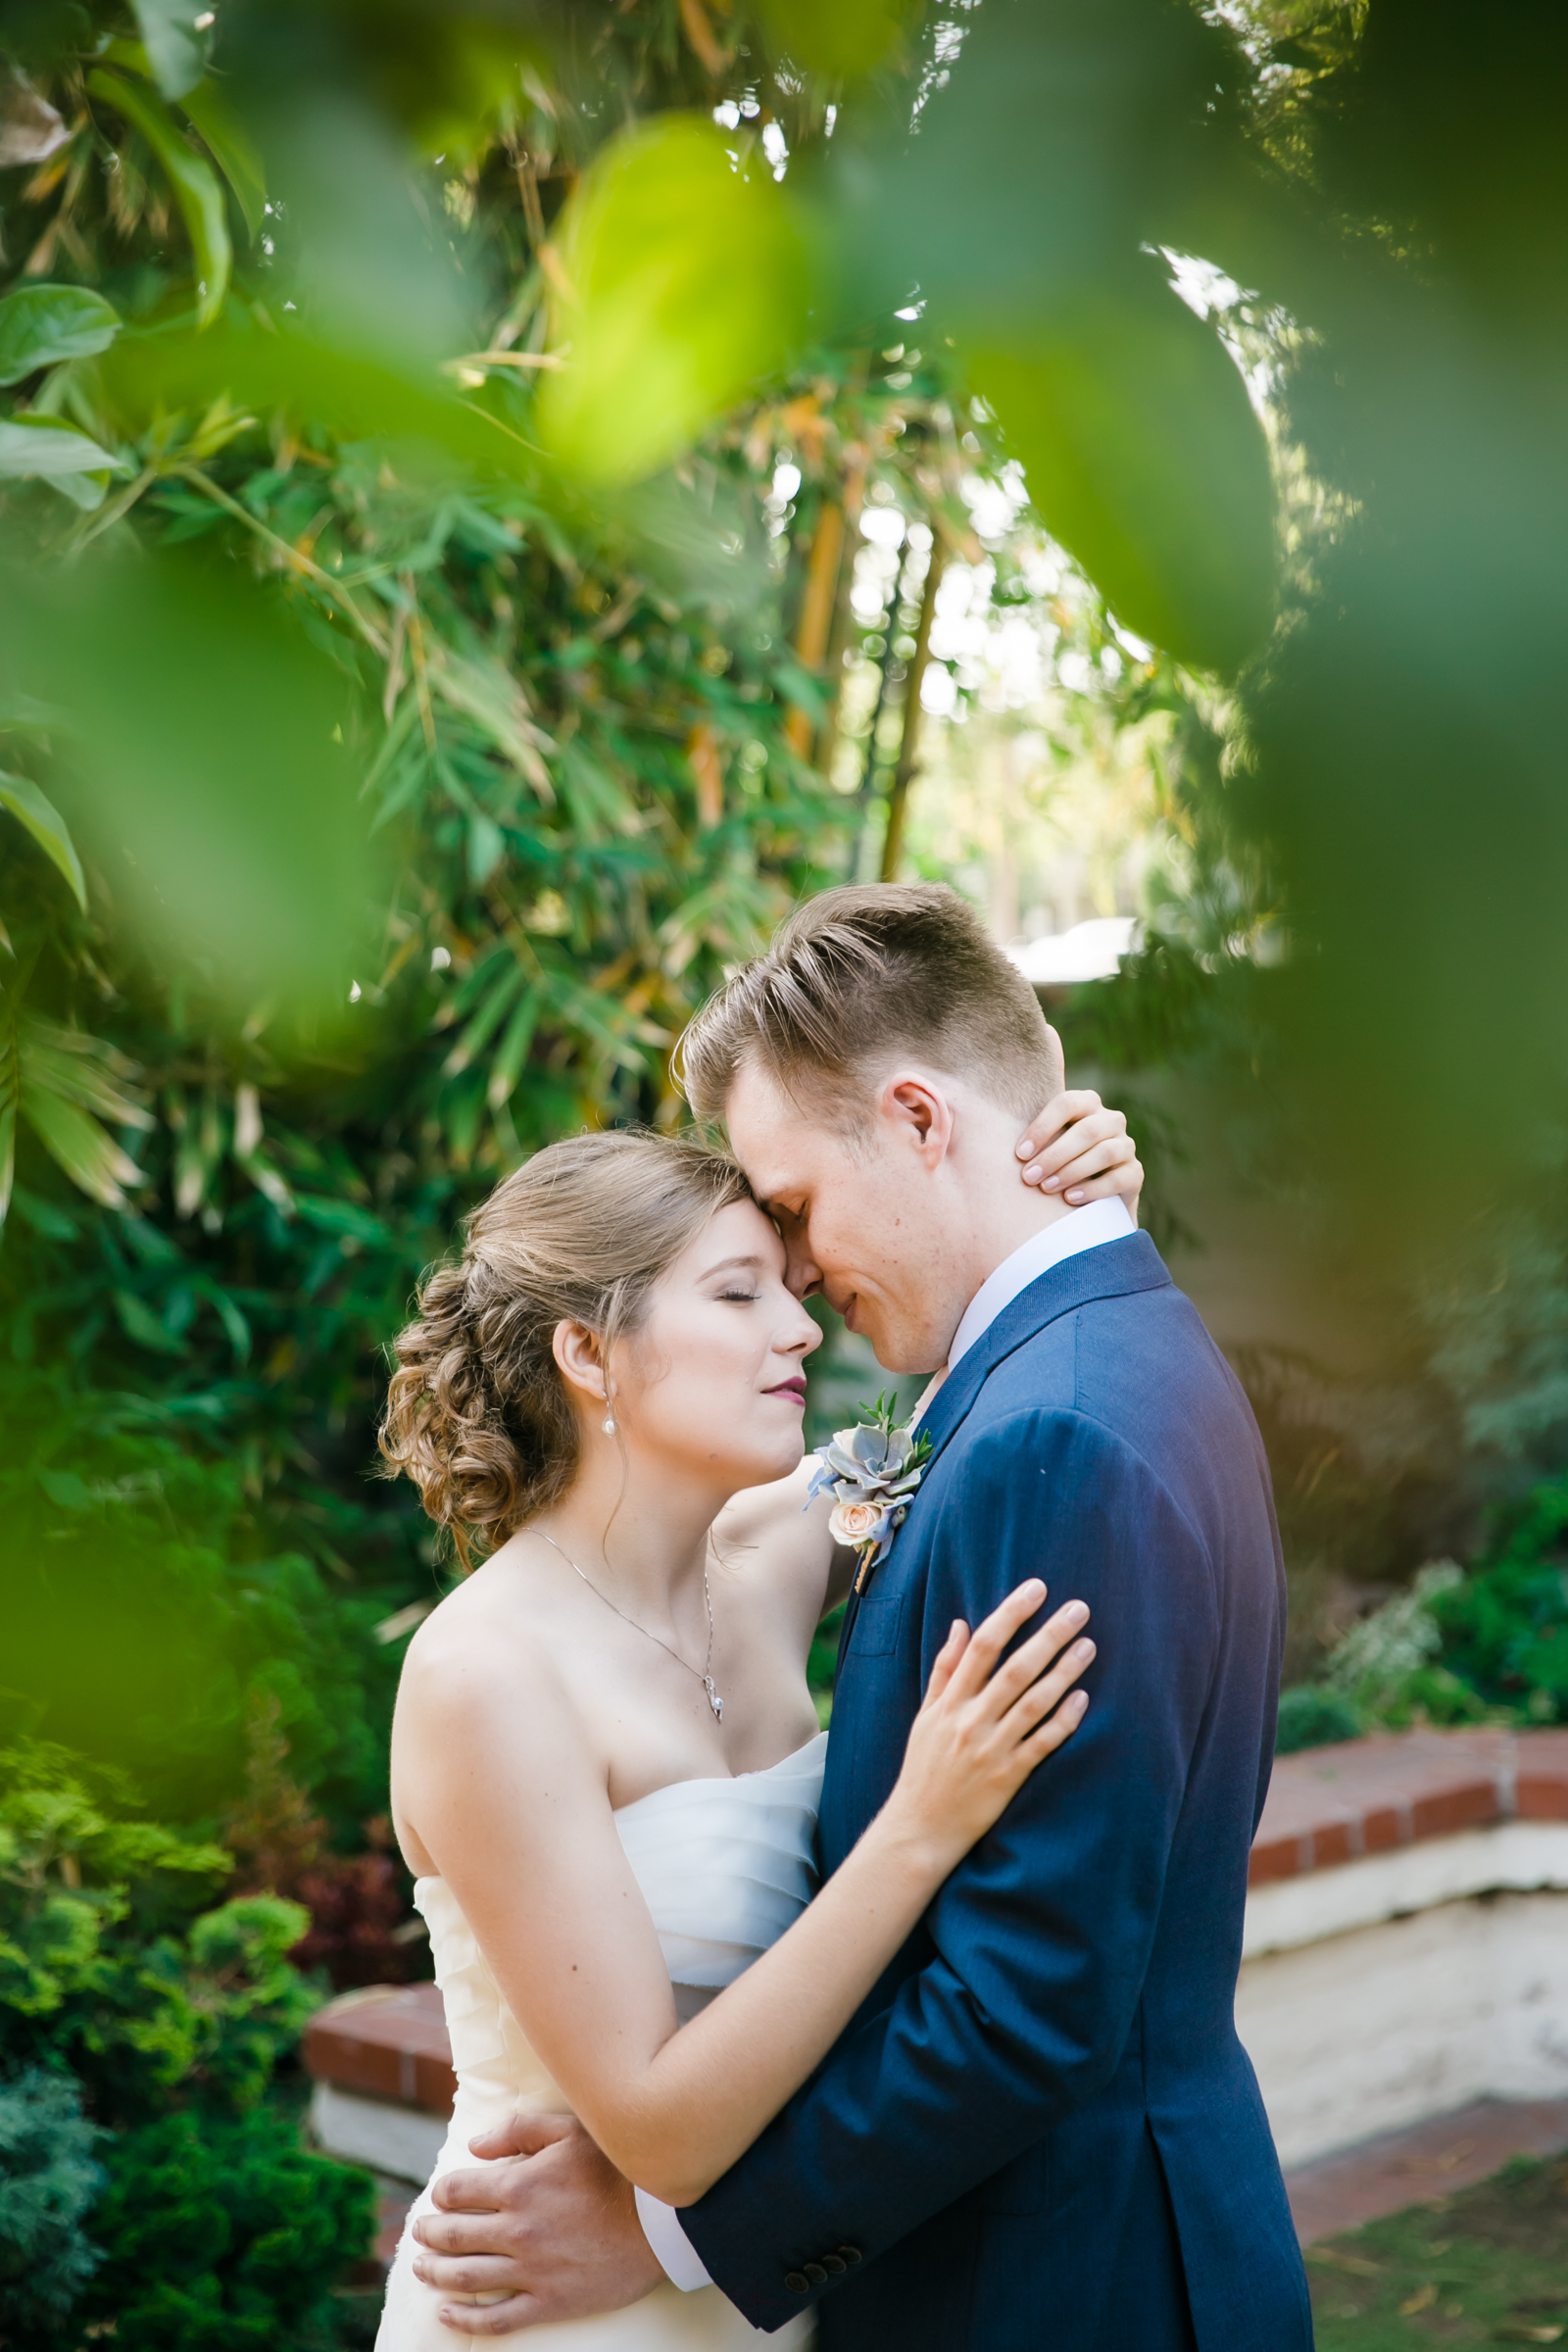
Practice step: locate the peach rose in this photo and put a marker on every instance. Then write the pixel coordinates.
(855, 1523)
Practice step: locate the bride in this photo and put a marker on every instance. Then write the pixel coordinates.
(606, 1763)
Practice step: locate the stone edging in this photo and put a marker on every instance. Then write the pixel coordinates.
(1335, 1804)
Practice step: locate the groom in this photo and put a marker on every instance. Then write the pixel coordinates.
(1040, 2130)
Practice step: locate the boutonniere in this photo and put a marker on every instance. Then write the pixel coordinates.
(871, 1471)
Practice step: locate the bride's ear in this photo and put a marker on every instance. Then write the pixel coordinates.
(579, 1353)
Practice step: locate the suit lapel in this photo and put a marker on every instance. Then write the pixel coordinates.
(1110, 1270)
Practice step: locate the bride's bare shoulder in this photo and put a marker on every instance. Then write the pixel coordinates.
(489, 1637)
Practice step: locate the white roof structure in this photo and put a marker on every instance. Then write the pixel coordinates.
(1090, 951)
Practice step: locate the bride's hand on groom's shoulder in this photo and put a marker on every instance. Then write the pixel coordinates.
(543, 2225)
(1080, 1149)
(989, 1716)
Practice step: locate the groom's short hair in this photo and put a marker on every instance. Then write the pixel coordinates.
(864, 977)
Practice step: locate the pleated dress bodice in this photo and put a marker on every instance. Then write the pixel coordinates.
(724, 1865)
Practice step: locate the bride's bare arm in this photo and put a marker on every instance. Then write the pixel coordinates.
(514, 1812)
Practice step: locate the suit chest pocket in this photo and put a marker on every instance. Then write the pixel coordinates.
(877, 1626)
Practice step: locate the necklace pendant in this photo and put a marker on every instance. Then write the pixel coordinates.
(713, 1700)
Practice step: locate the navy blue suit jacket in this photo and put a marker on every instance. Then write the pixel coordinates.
(1040, 2129)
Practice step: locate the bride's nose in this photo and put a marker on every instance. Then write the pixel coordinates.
(800, 1335)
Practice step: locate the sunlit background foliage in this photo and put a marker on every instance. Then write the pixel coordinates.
(494, 502)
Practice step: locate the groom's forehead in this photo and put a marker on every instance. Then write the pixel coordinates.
(781, 1138)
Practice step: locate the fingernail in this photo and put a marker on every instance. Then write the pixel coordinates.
(1075, 1196)
(1083, 1650)
(1077, 1612)
(1078, 1701)
(1032, 1584)
(1031, 1174)
(1023, 1150)
(952, 1630)
(1052, 1184)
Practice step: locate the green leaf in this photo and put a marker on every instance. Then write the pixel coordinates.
(141, 1324)
(77, 1143)
(41, 325)
(33, 447)
(80, 1070)
(343, 1218)
(47, 826)
(230, 148)
(688, 284)
(195, 183)
(8, 1156)
(177, 43)
(1145, 459)
(838, 39)
(507, 1068)
(173, 671)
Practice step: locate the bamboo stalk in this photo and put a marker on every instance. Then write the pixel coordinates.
(816, 611)
(909, 745)
(839, 631)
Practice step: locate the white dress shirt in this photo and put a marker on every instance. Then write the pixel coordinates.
(1081, 1229)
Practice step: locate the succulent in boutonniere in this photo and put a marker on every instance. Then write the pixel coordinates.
(871, 1471)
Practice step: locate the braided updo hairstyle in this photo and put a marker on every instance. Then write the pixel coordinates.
(477, 1414)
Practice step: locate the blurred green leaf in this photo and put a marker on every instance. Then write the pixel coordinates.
(177, 37)
(141, 1324)
(40, 325)
(684, 282)
(81, 1069)
(838, 39)
(194, 182)
(204, 747)
(62, 1083)
(1145, 459)
(47, 447)
(231, 149)
(77, 1143)
(47, 826)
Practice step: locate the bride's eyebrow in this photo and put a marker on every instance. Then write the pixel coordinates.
(724, 1264)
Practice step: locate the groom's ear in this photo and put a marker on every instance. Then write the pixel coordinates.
(919, 1115)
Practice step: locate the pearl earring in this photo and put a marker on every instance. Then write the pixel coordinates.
(608, 1425)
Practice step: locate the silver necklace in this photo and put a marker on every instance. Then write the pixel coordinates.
(706, 1677)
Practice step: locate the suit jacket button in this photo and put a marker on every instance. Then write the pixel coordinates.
(815, 2273)
(796, 2283)
(834, 2264)
(851, 2254)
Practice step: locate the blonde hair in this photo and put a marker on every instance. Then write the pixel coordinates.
(477, 1413)
(863, 976)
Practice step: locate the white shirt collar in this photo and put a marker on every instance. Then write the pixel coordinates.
(1081, 1229)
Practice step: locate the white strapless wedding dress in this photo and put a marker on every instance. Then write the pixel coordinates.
(724, 1865)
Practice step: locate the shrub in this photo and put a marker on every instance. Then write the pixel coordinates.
(1312, 1717)
(1486, 1646)
(216, 2228)
(224, 2236)
(99, 1972)
(48, 2181)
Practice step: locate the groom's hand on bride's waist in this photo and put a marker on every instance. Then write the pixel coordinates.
(544, 2223)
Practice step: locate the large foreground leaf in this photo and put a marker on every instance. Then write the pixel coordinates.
(1145, 459)
(202, 747)
(682, 282)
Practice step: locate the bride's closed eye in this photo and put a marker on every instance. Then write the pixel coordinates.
(742, 1297)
